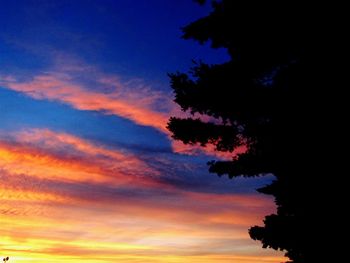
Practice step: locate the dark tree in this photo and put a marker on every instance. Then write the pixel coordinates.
(263, 98)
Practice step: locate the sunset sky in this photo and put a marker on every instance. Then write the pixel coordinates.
(88, 171)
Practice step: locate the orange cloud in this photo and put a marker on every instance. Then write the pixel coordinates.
(130, 99)
(182, 148)
(59, 156)
(122, 101)
(80, 221)
(131, 231)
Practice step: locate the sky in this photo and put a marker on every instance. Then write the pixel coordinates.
(88, 170)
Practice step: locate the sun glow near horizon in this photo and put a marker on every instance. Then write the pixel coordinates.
(70, 218)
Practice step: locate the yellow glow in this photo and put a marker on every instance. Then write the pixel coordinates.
(40, 222)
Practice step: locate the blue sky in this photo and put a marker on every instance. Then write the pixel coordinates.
(140, 39)
(84, 101)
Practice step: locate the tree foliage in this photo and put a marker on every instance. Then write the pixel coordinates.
(262, 98)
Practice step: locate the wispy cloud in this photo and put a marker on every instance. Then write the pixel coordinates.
(59, 192)
(84, 87)
(46, 154)
(134, 105)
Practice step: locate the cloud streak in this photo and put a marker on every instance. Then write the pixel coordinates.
(66, 197)
(86, 88)
(133, 104)
(46, 154)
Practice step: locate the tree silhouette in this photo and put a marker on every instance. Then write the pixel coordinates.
(262, 98)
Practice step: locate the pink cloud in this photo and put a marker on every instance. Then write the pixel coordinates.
(134, 106)
(130, 99)
(49, 155)
(47, 222)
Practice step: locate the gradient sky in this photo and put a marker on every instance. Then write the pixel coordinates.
(88, 172)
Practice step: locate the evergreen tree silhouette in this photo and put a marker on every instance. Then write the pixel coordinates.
(262, 97)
